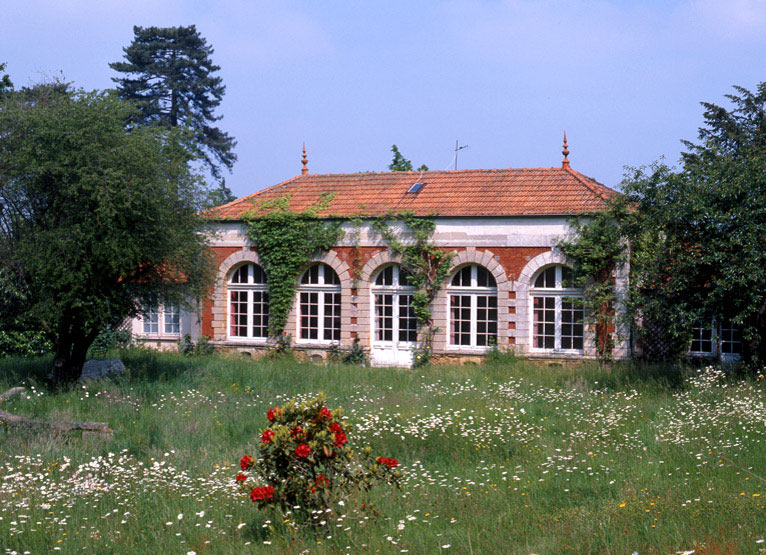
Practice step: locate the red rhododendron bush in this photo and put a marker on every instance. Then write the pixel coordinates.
(306, 464)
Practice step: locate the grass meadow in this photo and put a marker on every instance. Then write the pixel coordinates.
(507, 457)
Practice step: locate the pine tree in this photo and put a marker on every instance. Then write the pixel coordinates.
(170, 76)
(5, 81)
(220, 195)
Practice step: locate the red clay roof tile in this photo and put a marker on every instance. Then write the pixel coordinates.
(501, 192)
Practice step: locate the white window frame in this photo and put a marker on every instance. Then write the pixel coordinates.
(559, 293)
(397, 291)
(162, 324)
(322, 289)
(717, 340)
(249, 288)
(474, 292)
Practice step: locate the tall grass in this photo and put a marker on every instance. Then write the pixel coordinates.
(509, 457)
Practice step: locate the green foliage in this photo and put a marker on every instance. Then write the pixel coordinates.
(356, 355)
(96, 221)
(500, 357)
(202, 347)
(23, 343)
(695, 233)
(428, 265)
(170, 76)
(117, 337)
(220, 195)
(422, 356)
(400, 164)
(306, 465)
(597, 247)
(282, 349)
(6, 85)
(287, 241)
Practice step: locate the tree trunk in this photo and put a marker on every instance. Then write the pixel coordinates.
(71, 351)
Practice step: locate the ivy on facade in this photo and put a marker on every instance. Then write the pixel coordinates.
(428, 266)
(287, 241)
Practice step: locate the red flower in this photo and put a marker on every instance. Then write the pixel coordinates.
(335, 428)
(322, 481)
(296, 432)
(340, 439)
(261, 494)
(325, 413)
(246, 462)
(240, 477)
(274, 412)
(266, 436)
(388, 461)
(302, 450)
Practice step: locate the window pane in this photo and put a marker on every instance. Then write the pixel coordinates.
(702, 337)
(547, 279)
(238, 313)
(543, 326)
(151, 321)
(260, 314)
(460, 319)
(572, 328)
(332, 316)
(172, 320)
(486, 320)
(408, 325)
(385, 276)
(462, 278)
(311, 276)
(567, 278)
(240, 274)
(731, 338)
(384, 321)
(309, 304)
(484, 278)
(404, 277)
(259, 276)
(330, 277)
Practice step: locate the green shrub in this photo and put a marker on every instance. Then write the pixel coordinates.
(357, 355)
(306, 465)
(421, 356)
(23, 343)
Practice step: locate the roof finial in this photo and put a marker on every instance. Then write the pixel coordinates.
(565, 152)
(304, 161)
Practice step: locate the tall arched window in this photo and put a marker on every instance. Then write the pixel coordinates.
(319, 304)
(473, 307)
(248, 303)
(557, 311)
(394, 321)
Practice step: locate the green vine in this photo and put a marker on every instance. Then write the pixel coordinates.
(286, 242)
(427, 265)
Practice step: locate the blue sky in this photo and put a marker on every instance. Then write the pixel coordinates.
(506, 77)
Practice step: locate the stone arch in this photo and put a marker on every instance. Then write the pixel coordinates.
(340, 267)
(490, 261)
(364, 322)
(523, 316)
(220, 291)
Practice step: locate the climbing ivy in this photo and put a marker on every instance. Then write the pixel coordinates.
(427, 264)
(286, 242)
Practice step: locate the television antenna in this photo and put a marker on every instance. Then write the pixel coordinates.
(458, 149)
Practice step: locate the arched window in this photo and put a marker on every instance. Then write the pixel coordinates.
(394, 321)
(319, 304)
(473, 307)
(248, 303)
(557, 311)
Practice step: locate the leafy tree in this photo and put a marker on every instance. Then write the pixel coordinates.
(96, 221)
(400, 164)
(220, 195)
(170, 75)
(697, 233)
(5, 81)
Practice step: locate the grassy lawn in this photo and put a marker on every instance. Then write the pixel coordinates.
(509, 457)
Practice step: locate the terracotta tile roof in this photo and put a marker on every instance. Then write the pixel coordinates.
(502, 192)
